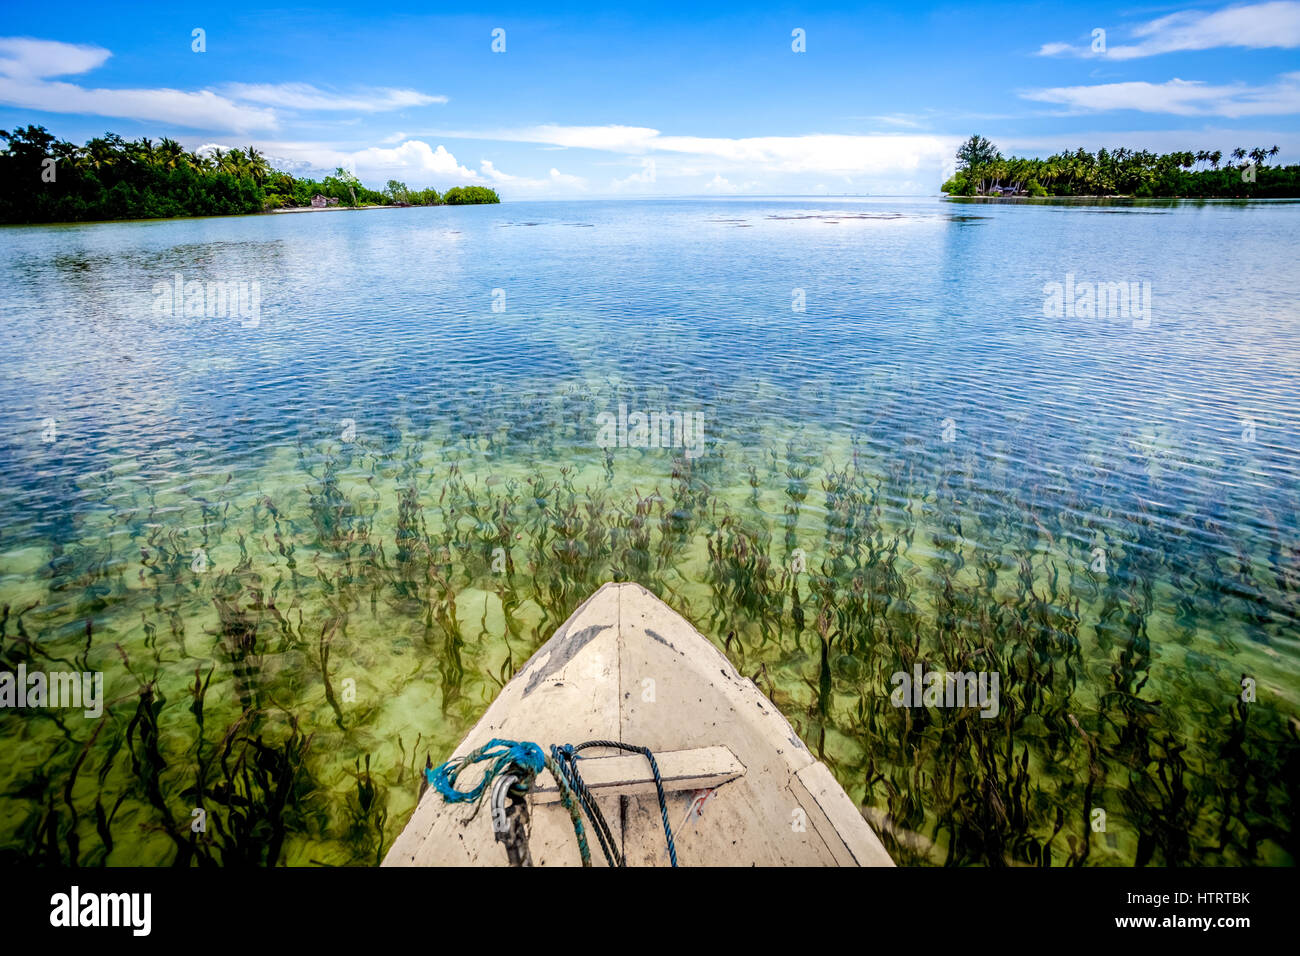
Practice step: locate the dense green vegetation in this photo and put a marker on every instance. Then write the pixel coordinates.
(469, 195)
(455, 196)
(43, 179)
(982, 170)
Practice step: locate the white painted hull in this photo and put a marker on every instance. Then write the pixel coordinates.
(627, 667)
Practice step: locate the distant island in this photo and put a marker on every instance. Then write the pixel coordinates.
(983, 171)
(43, 179)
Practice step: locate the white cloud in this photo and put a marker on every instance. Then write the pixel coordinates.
(27, 58)
(26, 64)
(840, 154)
(646, 176)
(203, 110)
(1059, 49)
(844, 155)
(899, 119)
(413, 159)
(415, 162)
(720, 184)
(564, 179)
(623, 139)
(1254, 26)
(413, 156)
(1179, 97)
(304, 96)
(554, 180)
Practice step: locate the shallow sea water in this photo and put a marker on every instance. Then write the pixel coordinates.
(306, 554)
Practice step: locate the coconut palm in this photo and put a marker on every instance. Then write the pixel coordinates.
(69, 155)
(257, 167)
(171, 154)
(105, 151)
(236, 162)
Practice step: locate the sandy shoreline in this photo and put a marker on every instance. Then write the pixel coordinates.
(332, 208)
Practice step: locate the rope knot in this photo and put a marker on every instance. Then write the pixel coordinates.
(524, 761)
(529, 756)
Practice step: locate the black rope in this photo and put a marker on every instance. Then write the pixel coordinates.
(567, 759)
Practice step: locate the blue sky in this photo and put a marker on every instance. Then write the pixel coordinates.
(658, 99)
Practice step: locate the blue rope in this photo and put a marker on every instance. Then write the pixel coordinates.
(528, 759)
(503, 753)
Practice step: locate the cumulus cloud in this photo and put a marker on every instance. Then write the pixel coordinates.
(720, 184)
(1253, 26)
(558, 178)
(682, 164)
(555, 178)
(840, 154)
(414, 160)
(414, 156)
(647, 175)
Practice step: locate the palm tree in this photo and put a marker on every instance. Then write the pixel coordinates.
(258, 168)
(1081, 168)
(69, 155)
(1051, 170)
(171, 154)
(105, 151)
(233, 162)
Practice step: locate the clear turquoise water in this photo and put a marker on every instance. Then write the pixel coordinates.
(921, 432)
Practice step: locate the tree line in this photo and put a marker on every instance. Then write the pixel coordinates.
(44, 179)
(982, 170)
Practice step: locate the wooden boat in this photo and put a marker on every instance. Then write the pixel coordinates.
(741, 788)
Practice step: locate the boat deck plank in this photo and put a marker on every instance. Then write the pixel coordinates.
(627, 667)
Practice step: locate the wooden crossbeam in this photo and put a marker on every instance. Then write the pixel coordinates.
(626, 775)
